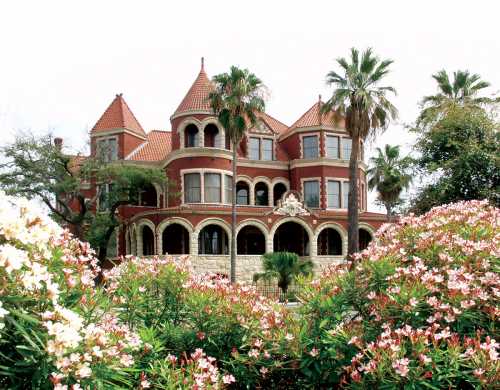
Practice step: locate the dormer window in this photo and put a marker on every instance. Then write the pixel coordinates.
(107, 149)
(261, 149)
(310, 146)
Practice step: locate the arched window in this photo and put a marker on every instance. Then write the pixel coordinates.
(213, 241)
(329, 243)
(242, 193)
(148, 241)
(148, 196)
(291, 237)
(191, 136)
(261, 194)
(175, 240)
(251, 241)
(364, 238)
(278, 191)
(212, 136)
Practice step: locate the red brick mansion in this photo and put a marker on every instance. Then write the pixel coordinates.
(292, 186)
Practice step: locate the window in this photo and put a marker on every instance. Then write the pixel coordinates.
(311, 193)
(242, 193)
(267, 149)
(261, 194)
(346, 148)
(254, 151)
(310, 145)
(104, 197)
(192, 188)
(333, 194)
(212, 188)
(107, 149)
(332, 146)
(228, 189)
(191, 134)
(345, 194)
(213, 240)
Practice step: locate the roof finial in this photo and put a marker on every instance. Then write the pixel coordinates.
(319, 98)
(202, 63)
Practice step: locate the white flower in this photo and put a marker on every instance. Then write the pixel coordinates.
(12, 258)
(3, 312)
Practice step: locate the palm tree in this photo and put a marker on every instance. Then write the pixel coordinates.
(462, 91)
(389, 175)
(236, 99)
(284, 266)
(358, 98)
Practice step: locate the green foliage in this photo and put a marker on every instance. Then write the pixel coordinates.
(461, 151)
(389, 175)
(284, 267)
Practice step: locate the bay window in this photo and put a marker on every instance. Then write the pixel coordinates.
(192, 188)
(332, 146)
(333, 190)
(310, 146)
(212, 188)
(311, 193)
(228, 189)
(345, 194)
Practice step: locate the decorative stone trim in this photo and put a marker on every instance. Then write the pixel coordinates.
(171, 221)
(139, 226)
(312, 243)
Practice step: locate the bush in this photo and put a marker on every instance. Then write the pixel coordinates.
(420, 309)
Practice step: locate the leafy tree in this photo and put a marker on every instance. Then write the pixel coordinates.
(237, 98)
(389, 175)
(462, 91)
(285, 267)
(461, 152)
(359, 98)
(36, 168)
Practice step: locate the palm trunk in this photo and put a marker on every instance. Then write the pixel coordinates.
(352, 211)
(233, 215)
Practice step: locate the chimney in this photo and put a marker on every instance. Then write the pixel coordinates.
(58, 142)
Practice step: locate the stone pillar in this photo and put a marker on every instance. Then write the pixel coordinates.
(138, 239)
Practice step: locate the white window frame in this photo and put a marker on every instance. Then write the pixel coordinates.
(302, 188)
(202, 172)
(342, 180)
(339, 146)
(107, 139)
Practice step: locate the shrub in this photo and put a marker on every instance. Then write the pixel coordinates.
(420, 309)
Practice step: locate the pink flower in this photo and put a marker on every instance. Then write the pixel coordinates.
(314, 352)
(401, 366)
(228, 379)
(264, 371)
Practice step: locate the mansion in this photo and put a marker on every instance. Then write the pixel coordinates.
(292, 186)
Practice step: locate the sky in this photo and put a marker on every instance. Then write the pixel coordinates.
(62, 62)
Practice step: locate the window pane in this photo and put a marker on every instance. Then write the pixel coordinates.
(310, 144)
(261, 195)
(192, 188)
(241, 193)
(345, 194)
(311, 193)
(254, 149)
(332, 146)
(228, 188)
(267, 149)
(113, 149)
(346, 148)
(212, 188)
(334, 194)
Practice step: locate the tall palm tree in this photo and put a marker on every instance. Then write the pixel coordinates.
(389, 175)
(359, 98)
(236, 99)
(463, 90)
(285, 267)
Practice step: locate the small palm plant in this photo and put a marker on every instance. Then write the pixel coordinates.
(285, 267)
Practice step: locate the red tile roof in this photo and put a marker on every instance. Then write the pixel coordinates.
(312, 118)
(157, 146)
(196, 98)
(118, 116)
(275, 125)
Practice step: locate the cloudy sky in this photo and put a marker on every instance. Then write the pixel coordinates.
(62, 62)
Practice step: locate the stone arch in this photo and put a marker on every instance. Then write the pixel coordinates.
(139, 235)
(307, 228)
(248, 180)
(133, 239)
(260, 246)
(366, 235)
(209, 221)
(221, 142)
(170, 221)
(279, 192)
(128, 242)
(339, 229)
(181, 129)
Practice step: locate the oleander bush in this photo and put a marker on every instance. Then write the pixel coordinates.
(420, 309)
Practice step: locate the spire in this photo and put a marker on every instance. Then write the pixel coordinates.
(118, 116)
(196, 98)
(320, 117)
